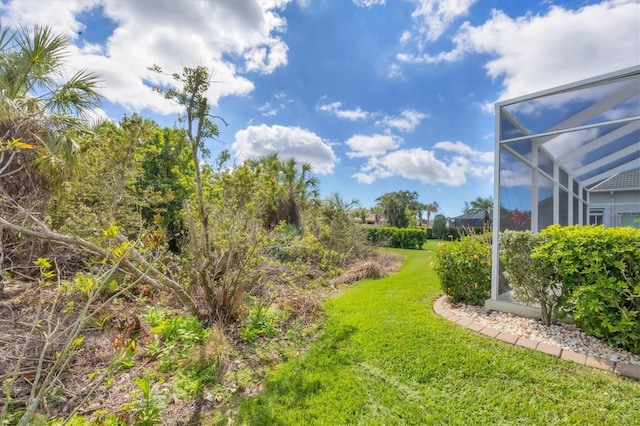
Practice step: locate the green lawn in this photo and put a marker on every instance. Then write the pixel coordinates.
(385, 358)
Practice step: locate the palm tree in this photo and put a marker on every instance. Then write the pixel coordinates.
(35, 107)
(431, 208)
(300, 190)
(337, 208)
(292, 187)
(481, 205)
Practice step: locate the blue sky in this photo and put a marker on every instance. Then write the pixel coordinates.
(378, 95)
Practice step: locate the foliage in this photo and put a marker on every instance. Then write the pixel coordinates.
(429, 208)
(148, 404)
(291, 188)
(464, 269)
(408, 238)
(55, 339)
(37, 107)
(529, 277)
(439, 229)
(599, 269)
(101, 192)
(204, 366)
(398, 207)
(165, 181)
(178, 334)
(334, 227)
(480, 205)
(262, 321)
(301, 250)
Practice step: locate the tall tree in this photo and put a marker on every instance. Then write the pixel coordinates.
(301, 188)
(431, 208)
(165, 181)
(40, 113)
(38, 106)
(399, 206)
(293, 188)
(481, 205)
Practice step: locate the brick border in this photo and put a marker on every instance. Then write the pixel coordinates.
(622, 368)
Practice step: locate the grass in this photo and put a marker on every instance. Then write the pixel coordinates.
(384, 357)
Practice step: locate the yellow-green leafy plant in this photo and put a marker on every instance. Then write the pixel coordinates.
(464, 269)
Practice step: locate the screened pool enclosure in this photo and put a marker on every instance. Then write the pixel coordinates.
(568, 155)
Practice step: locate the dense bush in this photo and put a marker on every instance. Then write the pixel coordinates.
(407, 238)
(439, 230)
(529, 278)
(464, 269)
(609, 310)
(600, 274)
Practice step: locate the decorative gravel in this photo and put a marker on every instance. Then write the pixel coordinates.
(566, 336)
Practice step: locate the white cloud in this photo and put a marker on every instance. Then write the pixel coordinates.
(267, 110)
(171, 34)
(423, 165)
(465, 150)
(348, 114)
(535, 52)
(415, 164)
(368, 3)
(433, 17)
(561, 47)
(395, 71)
(288, 142)
(407, 121)
(372, 146)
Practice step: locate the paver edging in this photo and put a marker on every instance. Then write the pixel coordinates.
(622, 368)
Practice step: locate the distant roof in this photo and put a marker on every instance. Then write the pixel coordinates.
(620, 182)
(470, 216)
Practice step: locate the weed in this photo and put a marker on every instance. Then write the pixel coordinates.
(262, 321)
(147, 405)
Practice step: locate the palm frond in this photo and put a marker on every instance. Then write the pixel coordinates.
(78, 96)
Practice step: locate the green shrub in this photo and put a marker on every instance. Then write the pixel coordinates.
(464, 269)
(262, 321)
(609, 310)
(600, 274)
(407, 238)
(439, 230)
(529, 278)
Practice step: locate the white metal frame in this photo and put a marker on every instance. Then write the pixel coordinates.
(560, 163)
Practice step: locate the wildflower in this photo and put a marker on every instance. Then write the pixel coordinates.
(475, 257)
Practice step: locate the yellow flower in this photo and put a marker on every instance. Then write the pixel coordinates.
(475, 257)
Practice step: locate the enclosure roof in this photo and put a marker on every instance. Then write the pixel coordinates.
(590, 129)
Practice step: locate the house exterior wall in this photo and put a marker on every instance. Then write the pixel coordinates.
(615, 208)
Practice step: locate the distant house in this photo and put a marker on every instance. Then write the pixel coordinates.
(371, 220)
(473, 220)
(616, 200)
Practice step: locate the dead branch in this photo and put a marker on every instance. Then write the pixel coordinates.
(143, 270)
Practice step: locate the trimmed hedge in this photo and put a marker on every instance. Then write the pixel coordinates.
(456, 232)
(407, 238)
(599, 269)
(589, 272)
